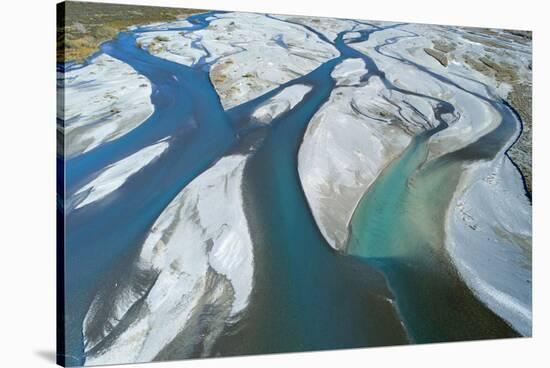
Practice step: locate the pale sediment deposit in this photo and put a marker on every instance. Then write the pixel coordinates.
(102, 101)
(349, 72)
(172, 45)
(249, 54)
(280, 103)
(116, 174)
(346, 145)
(500, 59)
(488, 232)
(328, 27)
(383, 124)
(405, 64)
(196, 261)
(164, 26)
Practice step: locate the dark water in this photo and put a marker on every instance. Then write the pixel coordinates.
(306, 296)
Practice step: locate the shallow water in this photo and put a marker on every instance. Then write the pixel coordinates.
(398, 228)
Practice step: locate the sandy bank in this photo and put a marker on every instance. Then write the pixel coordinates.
(197, 257)
(249, 54)
(346, 145)
(488, 235)
(102, 101)
(116, 174)
(280, 103)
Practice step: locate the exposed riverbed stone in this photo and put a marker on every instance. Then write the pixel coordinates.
(437, 55)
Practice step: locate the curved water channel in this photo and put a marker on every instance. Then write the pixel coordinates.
(306, 296)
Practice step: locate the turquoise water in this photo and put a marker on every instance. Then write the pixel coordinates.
(398, 228)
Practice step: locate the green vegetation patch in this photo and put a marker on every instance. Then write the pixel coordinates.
(83, 26)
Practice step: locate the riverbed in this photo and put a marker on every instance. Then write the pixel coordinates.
(394, 282)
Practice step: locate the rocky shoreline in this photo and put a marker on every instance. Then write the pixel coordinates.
(497, 62)
(521, 151)
(102, 101)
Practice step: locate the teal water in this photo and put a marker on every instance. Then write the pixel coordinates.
(398, 228)
(306, 296)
